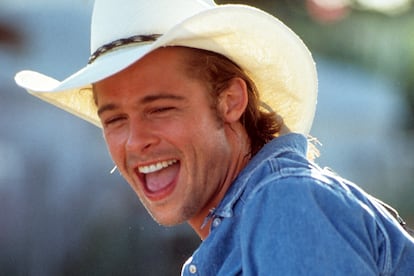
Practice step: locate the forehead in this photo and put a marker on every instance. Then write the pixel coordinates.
(159, 63)
(161, 58)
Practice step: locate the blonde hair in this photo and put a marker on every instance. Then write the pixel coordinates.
(216, 71)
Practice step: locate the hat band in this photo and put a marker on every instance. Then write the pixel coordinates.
(122, 42)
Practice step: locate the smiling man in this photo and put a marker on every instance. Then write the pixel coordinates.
(172, 167)
(206, 110)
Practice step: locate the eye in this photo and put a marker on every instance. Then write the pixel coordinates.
(161, 110)
(113, 121)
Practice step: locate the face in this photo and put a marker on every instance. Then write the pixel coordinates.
(165, 137)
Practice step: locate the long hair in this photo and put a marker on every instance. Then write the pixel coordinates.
(216, 71)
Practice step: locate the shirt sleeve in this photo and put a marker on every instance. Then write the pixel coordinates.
(302, 226)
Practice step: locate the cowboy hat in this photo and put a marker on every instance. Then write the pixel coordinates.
(123, 31)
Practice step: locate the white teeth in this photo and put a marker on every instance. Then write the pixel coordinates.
(156, 167)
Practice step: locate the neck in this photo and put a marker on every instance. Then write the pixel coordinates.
(241, 156)
(200, 225)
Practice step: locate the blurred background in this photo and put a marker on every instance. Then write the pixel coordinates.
(63, 213)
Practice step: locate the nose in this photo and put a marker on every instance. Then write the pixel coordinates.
(140, 137)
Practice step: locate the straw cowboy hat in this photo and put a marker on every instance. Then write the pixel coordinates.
(123, 31)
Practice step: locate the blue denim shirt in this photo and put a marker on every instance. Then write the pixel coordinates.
(286, 216)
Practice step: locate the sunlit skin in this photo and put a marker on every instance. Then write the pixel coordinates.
(153, 113)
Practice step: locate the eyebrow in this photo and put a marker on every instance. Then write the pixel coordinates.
(161, 96)
(106, 107)
(145, 100)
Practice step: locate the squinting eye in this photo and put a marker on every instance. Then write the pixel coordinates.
(113, 120)
(162, 109)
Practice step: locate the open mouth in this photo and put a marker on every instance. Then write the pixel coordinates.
(159, 178)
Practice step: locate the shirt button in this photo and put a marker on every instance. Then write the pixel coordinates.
(216, 222)
(193, 269)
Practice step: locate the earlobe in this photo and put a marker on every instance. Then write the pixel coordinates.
(233, 100)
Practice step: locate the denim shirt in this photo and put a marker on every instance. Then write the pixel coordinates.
(284, 215)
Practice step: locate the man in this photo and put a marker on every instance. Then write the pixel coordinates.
(205, 111)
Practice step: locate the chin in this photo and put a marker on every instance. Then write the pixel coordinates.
(168, 222)
(168, 218)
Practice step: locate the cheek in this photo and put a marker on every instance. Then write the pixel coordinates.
(114, 146)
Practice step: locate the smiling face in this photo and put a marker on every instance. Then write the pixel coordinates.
(166, 139)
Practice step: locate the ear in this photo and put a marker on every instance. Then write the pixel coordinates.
(233, 100)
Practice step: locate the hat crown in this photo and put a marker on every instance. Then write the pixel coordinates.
(118, 19)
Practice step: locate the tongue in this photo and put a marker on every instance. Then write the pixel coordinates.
(159, 180)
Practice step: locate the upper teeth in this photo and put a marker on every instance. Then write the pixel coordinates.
(156, 167)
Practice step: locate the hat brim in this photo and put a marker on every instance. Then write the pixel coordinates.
(271, 54)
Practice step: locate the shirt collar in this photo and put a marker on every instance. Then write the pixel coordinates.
(291, 142)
